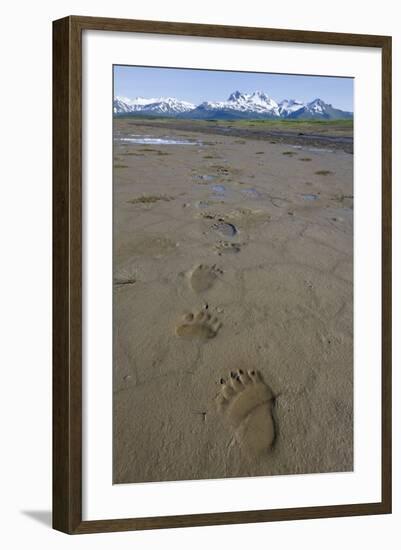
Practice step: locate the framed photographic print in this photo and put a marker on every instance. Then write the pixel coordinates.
(222, 274)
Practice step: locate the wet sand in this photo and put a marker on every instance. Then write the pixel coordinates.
(230, 254)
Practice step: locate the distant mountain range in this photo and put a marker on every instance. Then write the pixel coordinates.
(256, 105)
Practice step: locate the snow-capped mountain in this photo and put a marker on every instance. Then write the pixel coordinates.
(318, 109)
(168, 106)
(238, 105)
(127, 105)
(289, 106)
(120, 106)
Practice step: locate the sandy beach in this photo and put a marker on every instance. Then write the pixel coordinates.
(232, 254)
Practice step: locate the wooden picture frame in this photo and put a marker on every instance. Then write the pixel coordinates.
(67, 274)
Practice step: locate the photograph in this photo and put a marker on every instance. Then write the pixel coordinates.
(232, 274)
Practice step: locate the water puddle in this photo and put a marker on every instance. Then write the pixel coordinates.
(144, 140)
(219, 189)
(251, 193)
(320, 150)
(310, 197)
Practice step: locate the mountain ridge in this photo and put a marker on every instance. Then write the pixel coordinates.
(238, 105)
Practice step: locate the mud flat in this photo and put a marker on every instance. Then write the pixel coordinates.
(337, 134)
(233, 335)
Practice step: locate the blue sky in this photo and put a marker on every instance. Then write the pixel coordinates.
(200, 85)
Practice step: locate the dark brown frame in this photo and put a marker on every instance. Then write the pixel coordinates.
(67, 283)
